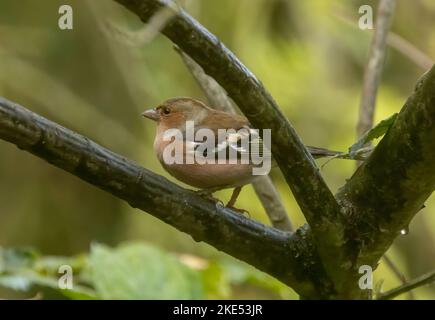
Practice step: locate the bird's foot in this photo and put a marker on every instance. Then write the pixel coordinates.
(232, 202)
(241, 211)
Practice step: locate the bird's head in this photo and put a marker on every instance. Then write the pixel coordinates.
(174, 113)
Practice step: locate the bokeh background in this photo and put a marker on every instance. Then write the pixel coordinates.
(96, 80)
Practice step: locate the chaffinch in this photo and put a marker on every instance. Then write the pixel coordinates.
(208, 177)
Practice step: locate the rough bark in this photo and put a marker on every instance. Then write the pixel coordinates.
(398, 177)
(389, 188)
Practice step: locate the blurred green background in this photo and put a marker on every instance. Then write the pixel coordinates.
(309, 54)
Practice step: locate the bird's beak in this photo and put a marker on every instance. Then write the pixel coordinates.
(152, 114)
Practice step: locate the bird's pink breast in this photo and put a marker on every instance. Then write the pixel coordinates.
(211, 175)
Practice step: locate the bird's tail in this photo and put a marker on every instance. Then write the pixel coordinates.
(322, 152)
(325, 153)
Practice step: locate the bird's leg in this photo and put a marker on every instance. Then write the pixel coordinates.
(233, 199)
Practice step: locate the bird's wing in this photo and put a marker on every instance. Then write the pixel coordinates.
(223, 120)
(239, 143)
(246, 142)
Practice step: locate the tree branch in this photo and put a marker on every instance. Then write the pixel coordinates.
(372, 79)
(289, 257)
(374, 67)
(411, 285)
(409, 50)
(399, 275)
(263, 186)
(310, 190)
(389, 188)
(397, 42)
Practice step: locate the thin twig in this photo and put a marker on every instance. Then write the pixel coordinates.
(411, 285)
(409, 50)
(397, 42)
(263, 186)
(397, 273)
(374, 67)
(144, 35)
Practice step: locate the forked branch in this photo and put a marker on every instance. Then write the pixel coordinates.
(289, 257)
(302, 175)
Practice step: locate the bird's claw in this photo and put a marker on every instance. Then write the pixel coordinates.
(240, 211)
(208, 194)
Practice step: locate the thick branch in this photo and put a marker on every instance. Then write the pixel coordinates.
(288, 257)
(311, 192)
(392, 185)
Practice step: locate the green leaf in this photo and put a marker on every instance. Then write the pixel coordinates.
(140, 271)
(23, 279)
(379, 130)
(51, 264)
(21, 268)
(78, 294)
(16, 258)
(15, 282)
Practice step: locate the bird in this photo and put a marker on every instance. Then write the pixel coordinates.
(175, 113)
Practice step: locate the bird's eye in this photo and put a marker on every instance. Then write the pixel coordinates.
(166, 110)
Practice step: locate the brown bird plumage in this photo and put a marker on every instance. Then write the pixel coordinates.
(173, 114)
